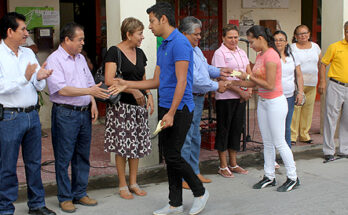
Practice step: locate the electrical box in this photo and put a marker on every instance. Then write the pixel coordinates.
(44, 37)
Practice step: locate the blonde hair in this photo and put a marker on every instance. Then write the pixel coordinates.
(130, 25)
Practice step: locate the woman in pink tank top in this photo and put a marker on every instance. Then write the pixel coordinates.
(272, 107)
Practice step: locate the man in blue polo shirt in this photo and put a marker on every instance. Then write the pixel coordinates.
(174, 77)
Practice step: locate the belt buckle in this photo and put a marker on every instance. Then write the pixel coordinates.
(84, 108)
(262, 99)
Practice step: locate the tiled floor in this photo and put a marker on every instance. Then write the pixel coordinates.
(100, 160)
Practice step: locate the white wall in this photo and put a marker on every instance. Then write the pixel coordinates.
(116, 12)
(332, 25)
(45, 111)
(288, 18)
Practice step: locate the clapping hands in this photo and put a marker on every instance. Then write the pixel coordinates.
(43, 73)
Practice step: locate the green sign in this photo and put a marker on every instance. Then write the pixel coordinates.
(35, 16)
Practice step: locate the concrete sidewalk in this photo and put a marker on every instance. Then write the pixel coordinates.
(323, 191)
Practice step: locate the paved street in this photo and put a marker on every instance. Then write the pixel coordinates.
(323, 191)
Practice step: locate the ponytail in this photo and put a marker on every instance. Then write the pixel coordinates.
(287, 50)
(270, 40)
(260, 31)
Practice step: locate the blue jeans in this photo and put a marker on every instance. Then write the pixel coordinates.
(291, 106)
(20, 129)
(71, 139)
(192, 146)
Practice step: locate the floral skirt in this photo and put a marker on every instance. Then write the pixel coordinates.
(127, 131)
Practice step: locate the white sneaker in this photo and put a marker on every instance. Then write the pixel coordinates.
(169, 210)
(199, 203)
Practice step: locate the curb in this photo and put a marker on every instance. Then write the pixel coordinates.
(157, 174)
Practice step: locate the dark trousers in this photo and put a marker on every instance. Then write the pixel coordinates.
(71, 140)
(177, 168)
(229, 118)
(16, 130)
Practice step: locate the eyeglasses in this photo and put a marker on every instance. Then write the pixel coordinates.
(302, 33)
(279, 40)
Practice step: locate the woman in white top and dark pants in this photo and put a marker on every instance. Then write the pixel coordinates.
(290, 65)
(309, 55)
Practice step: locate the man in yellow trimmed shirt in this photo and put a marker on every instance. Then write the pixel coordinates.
(336, 96)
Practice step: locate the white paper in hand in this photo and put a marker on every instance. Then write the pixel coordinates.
(235, 73)
(158, 128)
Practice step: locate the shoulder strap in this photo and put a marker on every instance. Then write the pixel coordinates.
(119, 62)
(295, 75)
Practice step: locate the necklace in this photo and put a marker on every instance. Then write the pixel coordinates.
(241, 60)
(239, 68)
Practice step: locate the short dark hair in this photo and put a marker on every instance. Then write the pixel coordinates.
(163, 8)
(229, 27)
(9, 21)
(69, 30)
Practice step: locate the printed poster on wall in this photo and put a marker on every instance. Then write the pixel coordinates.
(39, 16)
(265, 4)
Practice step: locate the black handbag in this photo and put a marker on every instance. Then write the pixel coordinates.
(100, 77)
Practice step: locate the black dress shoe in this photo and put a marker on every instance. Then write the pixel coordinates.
(41, 211)
(308, 141)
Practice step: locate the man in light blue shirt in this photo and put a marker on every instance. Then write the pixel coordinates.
(20, 79)
(202, 83)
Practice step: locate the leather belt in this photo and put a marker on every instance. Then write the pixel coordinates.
(198, 94)
(338, 82)
(72, 107)
(26, 109)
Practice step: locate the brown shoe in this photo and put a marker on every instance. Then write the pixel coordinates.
(203, 179)
(185, 185)
(67, 206)
(86, 201)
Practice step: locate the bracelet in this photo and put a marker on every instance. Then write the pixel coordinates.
(248, 77)
(148, 93)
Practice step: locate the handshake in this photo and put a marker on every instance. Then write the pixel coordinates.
(222, 86)
(222, 80)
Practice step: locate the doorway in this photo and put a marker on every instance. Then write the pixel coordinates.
(82, 12)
